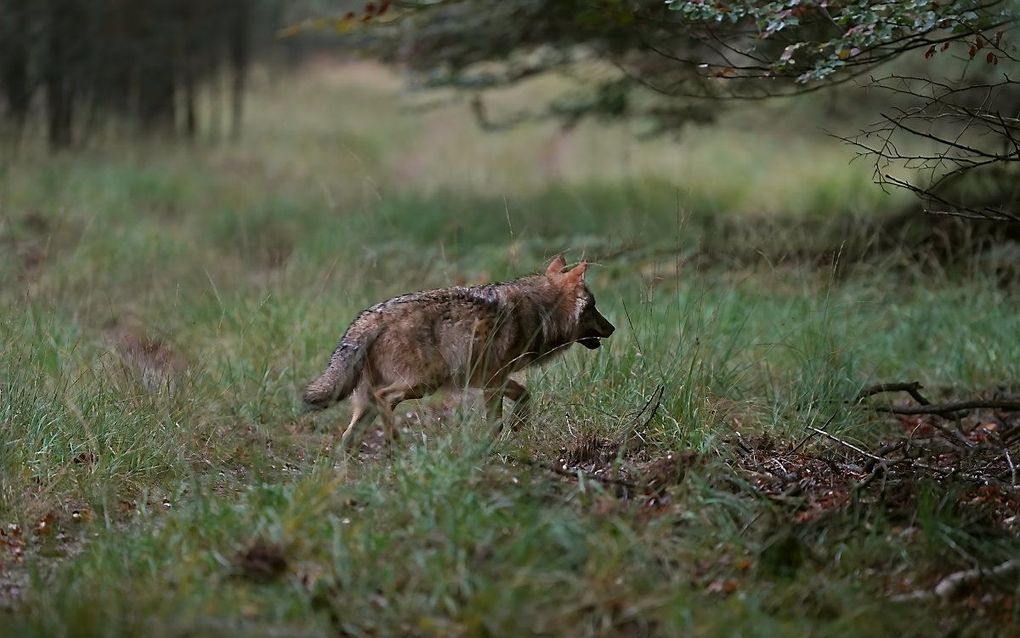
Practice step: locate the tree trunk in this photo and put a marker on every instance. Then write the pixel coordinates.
(240, 34)
(157, 85)
(59, 72)
(14, 27)
(189, 63)
(120, 55)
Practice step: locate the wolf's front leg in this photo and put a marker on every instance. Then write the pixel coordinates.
(494, 409)
(522, 404)
(494, 406)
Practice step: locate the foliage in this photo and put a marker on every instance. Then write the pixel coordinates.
(824, 39)
(968, 122)
(669, 63)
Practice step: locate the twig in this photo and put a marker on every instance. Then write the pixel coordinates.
(952, 434)
(810, 436)
(740, 444)
(655, 401)
(845, 444)
(633, 333)
(750, 522)
(877, 470)
(655, 408)
(910, 387)
(882, 452)
(953, 582)
(568, 474)
(1012, 468)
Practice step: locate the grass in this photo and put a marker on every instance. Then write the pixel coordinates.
(162, 307)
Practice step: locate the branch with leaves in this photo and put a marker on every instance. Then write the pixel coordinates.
(663, 60)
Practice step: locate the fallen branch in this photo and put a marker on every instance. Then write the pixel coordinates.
(952, 583)
(913, 388)
(956, 406)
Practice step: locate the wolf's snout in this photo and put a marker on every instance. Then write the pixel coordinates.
(604, 328)
(598, 329)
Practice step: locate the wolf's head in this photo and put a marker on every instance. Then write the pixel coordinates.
(585, 324)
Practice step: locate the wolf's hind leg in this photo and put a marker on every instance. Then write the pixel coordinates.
(364, 410)
(386, 399)
(522, 404)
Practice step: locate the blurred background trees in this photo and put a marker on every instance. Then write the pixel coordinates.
(72, 70)
(80, 67)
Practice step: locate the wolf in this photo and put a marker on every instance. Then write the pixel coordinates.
(415, 344)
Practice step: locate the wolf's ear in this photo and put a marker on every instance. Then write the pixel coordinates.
(577, 272)
(556, 266)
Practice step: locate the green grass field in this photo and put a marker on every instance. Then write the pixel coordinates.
(161, 308)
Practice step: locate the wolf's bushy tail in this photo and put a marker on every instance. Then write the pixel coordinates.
(344, 370)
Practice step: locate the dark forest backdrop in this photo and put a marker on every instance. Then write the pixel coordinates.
(145, 66)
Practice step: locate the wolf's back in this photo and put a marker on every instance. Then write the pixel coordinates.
(342, 374)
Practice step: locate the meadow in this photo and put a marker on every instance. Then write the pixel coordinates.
(161, 307)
